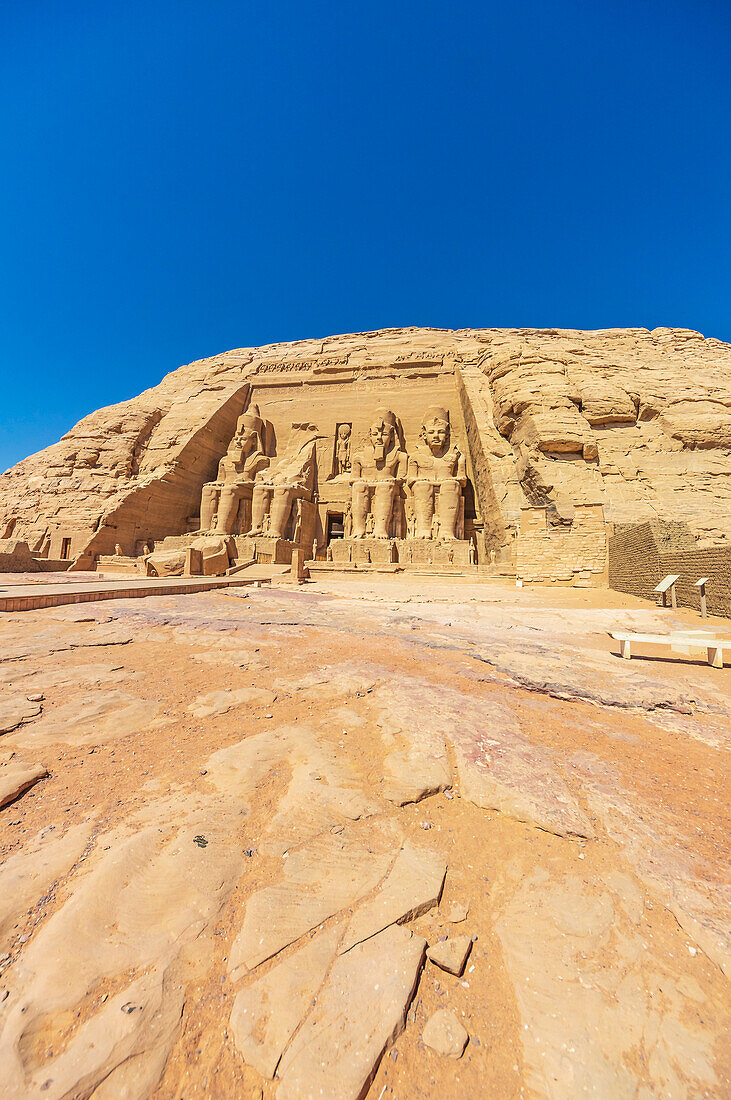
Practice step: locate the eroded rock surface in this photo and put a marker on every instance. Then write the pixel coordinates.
(321, 880)
(238, 897)
(359, 1012)
(16, 776)
(268, 1011)
(14, 710)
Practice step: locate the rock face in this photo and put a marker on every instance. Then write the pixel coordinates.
(553, 436)
(15, 557)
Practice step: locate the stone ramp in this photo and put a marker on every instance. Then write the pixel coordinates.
(31, 597)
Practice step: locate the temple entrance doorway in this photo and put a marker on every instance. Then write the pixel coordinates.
(335, 527)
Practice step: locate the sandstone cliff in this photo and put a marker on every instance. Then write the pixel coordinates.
(637, 421)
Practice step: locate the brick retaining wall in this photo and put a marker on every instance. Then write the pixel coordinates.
(641, 554)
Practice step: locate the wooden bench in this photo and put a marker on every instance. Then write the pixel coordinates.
(713, 646)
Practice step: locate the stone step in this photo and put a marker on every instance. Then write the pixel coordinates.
(119, 566)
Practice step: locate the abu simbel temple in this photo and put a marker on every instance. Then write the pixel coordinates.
(559, 456)
(364, 725)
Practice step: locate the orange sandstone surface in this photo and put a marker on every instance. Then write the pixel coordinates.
(234, 824)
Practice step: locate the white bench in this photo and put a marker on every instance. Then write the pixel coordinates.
(713, 646)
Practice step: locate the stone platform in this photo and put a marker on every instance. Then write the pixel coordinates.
(474, 573)
(443, 553)
(31, 597)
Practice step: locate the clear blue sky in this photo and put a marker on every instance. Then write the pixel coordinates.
(184, 177)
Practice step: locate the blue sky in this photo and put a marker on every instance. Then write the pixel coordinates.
(185, 177)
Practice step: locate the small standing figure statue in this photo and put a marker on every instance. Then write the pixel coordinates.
(342, 450)
(472, 552)
(117, 551)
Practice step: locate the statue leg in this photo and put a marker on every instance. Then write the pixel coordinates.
(423, 508)
(281, 508)
(209, 504)
(260, 501)
(228, 507)
(450, 494)
(359, 511)
(383, 497)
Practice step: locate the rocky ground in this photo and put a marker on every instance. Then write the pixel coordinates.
(379, 838)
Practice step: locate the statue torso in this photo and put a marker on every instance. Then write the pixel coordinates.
(425, 465)
(380, 469)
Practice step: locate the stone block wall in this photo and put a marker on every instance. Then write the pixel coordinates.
(634, 560)
(573, 553)
(640, 555)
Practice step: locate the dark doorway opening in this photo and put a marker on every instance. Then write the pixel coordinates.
(66, 549)
(335, 526)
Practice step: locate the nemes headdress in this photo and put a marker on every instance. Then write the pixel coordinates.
(436, 412)
(251, 419)
(387, 417)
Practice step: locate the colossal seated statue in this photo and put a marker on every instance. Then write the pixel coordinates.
(278, 488)
(378, 472)
(437, 475)
(245, 458)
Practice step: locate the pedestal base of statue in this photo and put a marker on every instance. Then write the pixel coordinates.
(264, 549)
(433, 551)
(363, 551)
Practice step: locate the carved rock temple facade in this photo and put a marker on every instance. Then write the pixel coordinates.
(514, 450)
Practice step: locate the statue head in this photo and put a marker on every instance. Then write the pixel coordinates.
(382, 432)
(343, 431)
(250, 430)
(435, 429)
